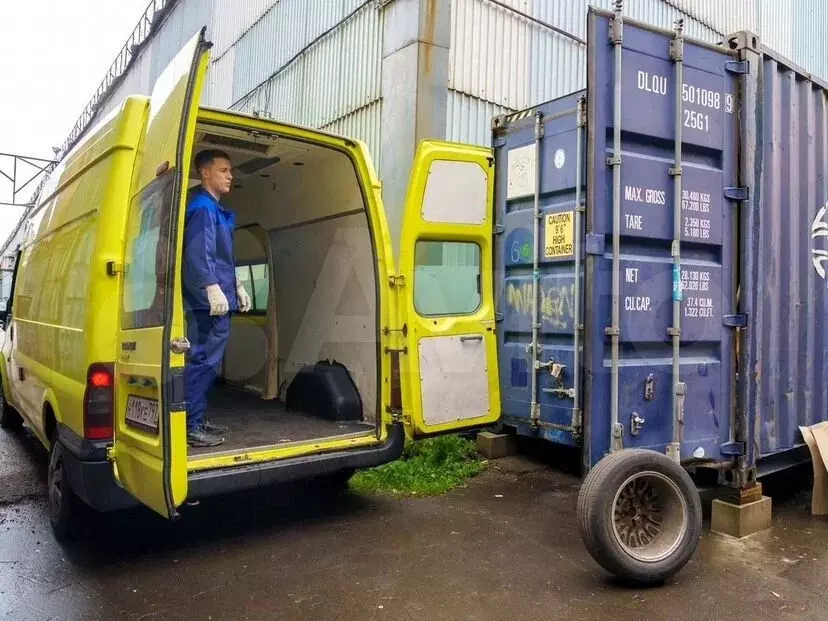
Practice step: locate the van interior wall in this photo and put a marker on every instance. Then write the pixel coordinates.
(323, 269)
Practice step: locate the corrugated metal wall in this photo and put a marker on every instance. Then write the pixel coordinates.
(280, 57)
(786, 258)
(506, 56)
(333, 84)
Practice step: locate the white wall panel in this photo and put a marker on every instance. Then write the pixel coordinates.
(232, 18)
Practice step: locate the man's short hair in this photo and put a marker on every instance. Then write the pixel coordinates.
(206, 157)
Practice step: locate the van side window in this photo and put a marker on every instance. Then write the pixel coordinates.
(446, 278)
(146, 260)
(256, 282)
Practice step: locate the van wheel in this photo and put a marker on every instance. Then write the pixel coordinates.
(64, 505)
(640, 515)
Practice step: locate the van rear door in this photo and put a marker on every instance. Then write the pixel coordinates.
(150, 451)
(448, 366)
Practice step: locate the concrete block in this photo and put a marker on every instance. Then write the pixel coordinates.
(496, 445)
(741, 520)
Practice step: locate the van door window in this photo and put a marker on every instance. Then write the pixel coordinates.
(256, 282)
(446, 278)
(147, 260)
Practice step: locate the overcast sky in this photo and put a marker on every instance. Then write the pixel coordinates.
(53, 55)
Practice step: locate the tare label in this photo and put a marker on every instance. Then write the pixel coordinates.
(647, 201)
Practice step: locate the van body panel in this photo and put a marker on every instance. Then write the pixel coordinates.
(445, 296)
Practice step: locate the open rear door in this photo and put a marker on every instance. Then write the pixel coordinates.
(150, 452)
(449, 371)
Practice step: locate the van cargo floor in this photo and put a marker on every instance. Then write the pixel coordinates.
(253, 422)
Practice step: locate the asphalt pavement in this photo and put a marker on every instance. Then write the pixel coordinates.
(503, 547)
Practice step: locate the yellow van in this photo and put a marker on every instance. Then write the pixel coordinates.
(95, 333)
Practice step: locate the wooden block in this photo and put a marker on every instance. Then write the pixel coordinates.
(496, 445)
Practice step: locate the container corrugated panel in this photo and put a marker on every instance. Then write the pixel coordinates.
(645, 266)
(786, 297)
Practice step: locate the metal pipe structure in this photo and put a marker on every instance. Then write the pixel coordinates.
(677, 55)
(616, 36)
(577, 323)
(535, 406)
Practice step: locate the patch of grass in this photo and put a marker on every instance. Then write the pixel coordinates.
(427, 467)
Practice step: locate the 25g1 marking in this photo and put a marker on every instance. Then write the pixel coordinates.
(696, 120)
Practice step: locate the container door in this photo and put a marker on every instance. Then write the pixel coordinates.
(449, 360)
(150, 452)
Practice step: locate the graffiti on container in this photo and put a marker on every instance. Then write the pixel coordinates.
(819, 228)
(556, 302)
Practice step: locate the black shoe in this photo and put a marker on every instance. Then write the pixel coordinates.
(200, 438)
(213, 428)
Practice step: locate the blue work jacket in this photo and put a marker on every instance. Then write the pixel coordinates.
(208, 251)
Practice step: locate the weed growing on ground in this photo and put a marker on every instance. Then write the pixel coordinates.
(427, 467)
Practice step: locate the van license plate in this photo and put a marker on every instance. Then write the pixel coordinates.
(142, 413)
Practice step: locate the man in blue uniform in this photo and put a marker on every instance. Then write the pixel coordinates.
(211, 290)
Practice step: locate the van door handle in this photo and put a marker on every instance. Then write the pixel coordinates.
(472, 337)
(179, 345)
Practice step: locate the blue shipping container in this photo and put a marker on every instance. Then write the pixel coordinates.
(586, 204)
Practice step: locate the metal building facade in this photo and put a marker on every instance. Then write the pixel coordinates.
(508, 55)
(334, 64)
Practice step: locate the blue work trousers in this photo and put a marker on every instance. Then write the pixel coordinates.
(208, 339)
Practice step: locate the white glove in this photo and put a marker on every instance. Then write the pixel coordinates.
(217, 299)
(244, 300)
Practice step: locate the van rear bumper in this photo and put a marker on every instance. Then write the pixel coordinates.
(224, 480)
(90, 474)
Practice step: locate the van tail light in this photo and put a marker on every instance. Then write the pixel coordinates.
(99, 402)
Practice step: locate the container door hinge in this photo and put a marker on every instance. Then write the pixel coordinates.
(114, 267)
(735, 321)
(499, 229)
(739, 67)
(110, 453)
(576, 421)
(737, 194)
(397, 280)
(732, 449)
(499, 317)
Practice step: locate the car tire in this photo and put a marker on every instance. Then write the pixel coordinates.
(9, 417)
(65, 507)
(640, 516)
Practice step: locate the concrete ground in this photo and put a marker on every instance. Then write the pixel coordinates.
(504, 547)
